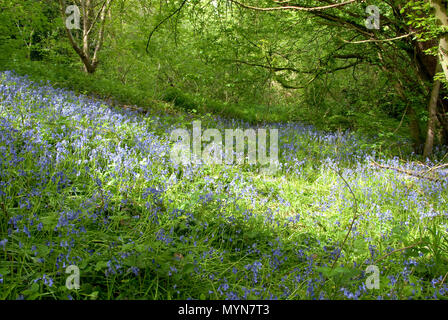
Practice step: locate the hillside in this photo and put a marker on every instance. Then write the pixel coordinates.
(88, 184)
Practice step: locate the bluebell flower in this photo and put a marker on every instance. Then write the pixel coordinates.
(3, 243)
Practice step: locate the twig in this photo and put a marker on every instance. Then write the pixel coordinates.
(396, 250)
(355, 216)
(443, 280)
(161, 22)
(401, 121)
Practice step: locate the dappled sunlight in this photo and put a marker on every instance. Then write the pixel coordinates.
(87, 184)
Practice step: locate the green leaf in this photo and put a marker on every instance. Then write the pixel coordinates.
(100, 265)
(35, 287)
(188, 268)
(93, 295)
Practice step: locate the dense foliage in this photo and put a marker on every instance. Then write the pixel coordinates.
(86, 176)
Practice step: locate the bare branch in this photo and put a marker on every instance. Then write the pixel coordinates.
(70, 36)
(293, 7)
(97, 16)
(277, 69)
(104, 10)
(380, 40)
(163, 21)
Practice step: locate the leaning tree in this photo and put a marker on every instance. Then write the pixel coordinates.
(93, 14)
(401, 46)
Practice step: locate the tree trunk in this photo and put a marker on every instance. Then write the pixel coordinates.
(444, 126)
(86, 6)
(89, 21)
(414, 124)
(442, 15)
(432, 117)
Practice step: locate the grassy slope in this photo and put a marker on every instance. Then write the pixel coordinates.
(86, 184)
(374, 128)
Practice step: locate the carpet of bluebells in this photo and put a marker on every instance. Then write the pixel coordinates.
(89, 184)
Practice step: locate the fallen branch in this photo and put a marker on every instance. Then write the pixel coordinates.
(413, 173)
